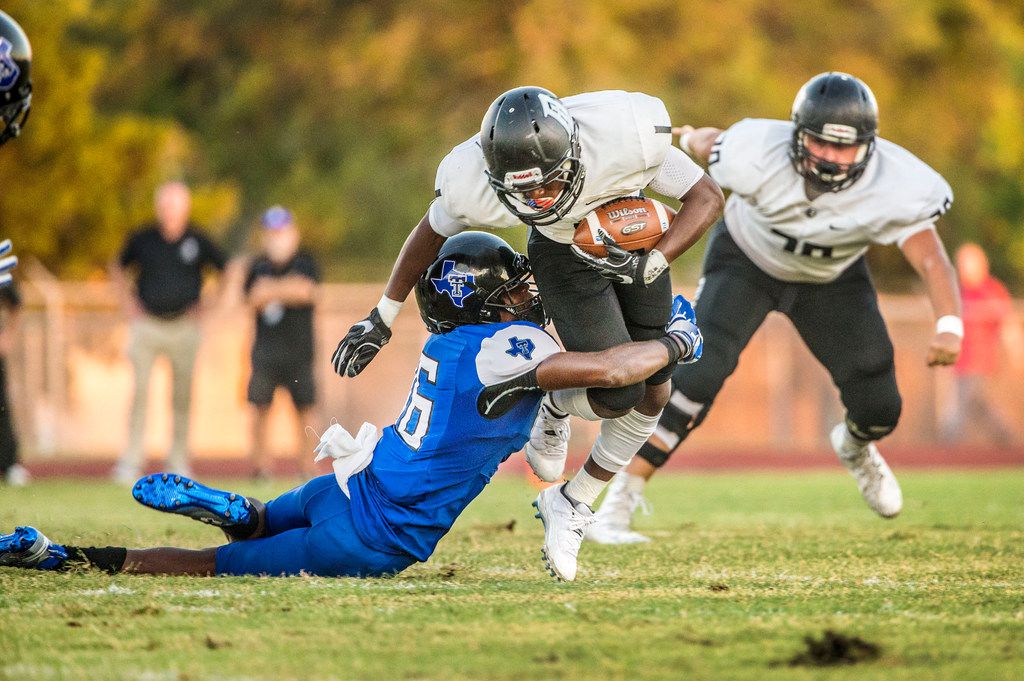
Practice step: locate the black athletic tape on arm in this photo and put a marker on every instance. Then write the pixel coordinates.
(672, 345)
(496, 400)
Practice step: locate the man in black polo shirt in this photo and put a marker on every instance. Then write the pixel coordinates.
(168, 258)
(282, 287)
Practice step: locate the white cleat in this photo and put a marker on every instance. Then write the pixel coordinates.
(874, 478)
(565, 524)
(549, 445)
(612, 521)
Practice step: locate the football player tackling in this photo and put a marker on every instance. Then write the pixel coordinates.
(547, 162)
(473, 401)
(808, 198)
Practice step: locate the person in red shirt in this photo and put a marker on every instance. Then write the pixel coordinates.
(989, 322)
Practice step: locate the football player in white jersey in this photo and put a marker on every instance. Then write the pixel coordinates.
(547, 162)
(808, 197)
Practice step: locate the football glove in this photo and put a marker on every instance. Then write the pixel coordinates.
(682, 326)
(7, 262)
(360, 345)
(624, 267)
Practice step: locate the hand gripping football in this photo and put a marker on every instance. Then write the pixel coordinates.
(634, 223)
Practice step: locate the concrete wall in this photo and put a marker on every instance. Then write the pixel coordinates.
(72, 382)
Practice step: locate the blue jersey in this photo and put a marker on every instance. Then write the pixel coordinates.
(442, 451)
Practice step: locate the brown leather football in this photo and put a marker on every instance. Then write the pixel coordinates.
(634, 223)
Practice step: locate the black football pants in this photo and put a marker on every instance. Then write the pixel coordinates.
(592, 313)
(839, 321)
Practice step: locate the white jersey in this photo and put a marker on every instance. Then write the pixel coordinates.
(625, 145)
(795, 239)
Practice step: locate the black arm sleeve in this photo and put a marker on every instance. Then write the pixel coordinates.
(496, 400)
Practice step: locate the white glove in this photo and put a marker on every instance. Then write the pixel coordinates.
(350, 454)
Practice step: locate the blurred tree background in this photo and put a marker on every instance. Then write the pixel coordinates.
(342, 109)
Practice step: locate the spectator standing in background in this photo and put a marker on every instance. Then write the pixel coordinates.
(989, 321)
(281, 287)
(10, 470)
(168, 259)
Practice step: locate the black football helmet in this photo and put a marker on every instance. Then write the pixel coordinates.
(529, 139)
(839, 108)
(471, 281)
(15, 77)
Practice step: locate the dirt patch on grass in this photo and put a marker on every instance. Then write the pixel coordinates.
(833, 649)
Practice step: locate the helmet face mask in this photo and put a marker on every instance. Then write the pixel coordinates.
(15, 78)
(838, 109)
(475, 277)
(530, 142)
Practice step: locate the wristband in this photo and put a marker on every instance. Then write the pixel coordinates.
(684, 142)
(388, 310)
(654, 266)
(950, 324)
(674, 347)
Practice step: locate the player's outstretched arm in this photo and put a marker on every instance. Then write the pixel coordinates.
(926, 253)
(697, 142)
(365, 339)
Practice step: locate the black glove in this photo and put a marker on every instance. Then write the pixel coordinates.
(360, 345)
(624, 267)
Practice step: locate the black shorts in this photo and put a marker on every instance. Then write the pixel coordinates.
(296, 377)
(592, 313)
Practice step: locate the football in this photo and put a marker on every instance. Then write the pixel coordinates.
(634, 223)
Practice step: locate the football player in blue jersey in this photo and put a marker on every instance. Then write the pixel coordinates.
(473, 401)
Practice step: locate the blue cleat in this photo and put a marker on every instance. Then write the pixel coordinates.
(177, 494)
(27, 547)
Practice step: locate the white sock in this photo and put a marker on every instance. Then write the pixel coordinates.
(584, 488)
(621, 438)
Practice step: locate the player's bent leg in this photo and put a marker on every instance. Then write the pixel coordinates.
(329, 547)
(844, 329)
(237, 515)
(616, 445)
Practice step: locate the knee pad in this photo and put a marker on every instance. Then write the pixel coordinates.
(620, 439)
(653, 455)
(618, 399)
(874, 418)
(680, 417)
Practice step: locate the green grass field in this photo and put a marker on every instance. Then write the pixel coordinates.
(743, 568)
